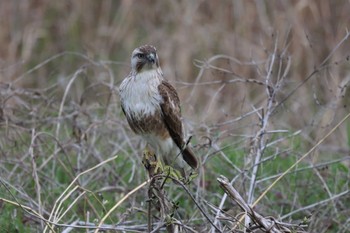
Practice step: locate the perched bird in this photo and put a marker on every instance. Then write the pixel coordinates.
(152, 108)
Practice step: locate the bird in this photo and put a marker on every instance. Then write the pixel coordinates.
(151, 106)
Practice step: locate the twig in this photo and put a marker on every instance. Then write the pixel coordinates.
(258, 146)
(118, 204)
(301, 158)
(315, 204)
(62, 196)
(315, 71)
(267, 224)
(26, 209)
(75, 76)
(314, 166)
(195, 202)
(298, 161)
(35, 174)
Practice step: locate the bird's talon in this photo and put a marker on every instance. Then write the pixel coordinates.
(151, 163)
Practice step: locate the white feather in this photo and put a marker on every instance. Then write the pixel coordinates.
(139, 93)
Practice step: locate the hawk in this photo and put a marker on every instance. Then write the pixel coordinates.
(152, 108)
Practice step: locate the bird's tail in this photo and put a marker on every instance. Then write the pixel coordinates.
(189, 157)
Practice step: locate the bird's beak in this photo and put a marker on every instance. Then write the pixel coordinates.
(151, 57)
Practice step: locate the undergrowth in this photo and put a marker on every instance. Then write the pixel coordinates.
(257, 103)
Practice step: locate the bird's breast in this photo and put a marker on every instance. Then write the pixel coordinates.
(141, 100)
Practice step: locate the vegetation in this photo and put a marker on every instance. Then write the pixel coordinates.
(264, 91)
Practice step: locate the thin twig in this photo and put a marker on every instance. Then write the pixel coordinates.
(118, 204)
(194, 200)
(336, 196)
(298, 161)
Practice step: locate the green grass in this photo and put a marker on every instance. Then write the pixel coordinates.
(13, 220)
(301, 187)
(187, 34)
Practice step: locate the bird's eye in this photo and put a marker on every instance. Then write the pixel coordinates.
(140, 55)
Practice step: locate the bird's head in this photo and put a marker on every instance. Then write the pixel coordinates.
(144, 58)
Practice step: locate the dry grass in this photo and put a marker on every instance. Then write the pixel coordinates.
(261, 83)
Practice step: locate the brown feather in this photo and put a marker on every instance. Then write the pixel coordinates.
(190, 158)
(172, 119)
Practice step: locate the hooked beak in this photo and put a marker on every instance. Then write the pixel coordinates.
(151, 57)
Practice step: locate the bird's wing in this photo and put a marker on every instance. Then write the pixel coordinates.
(172, 118)
(171, 112)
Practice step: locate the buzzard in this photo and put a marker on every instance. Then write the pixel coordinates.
(152, 108)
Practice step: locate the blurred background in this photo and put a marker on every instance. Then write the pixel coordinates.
(62, 36)
(61, 63)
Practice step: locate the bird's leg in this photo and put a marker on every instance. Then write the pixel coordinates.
(151, 163)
